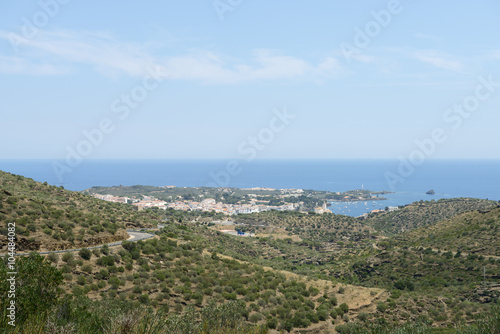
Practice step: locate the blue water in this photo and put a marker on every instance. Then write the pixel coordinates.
(449, 178)
(356, 209)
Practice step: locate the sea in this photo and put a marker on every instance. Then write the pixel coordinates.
(406, 182)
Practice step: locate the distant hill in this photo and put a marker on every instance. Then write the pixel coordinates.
(425, 213)
(51, 218)
(475, 232)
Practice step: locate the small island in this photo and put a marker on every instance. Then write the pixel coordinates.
(431, 192)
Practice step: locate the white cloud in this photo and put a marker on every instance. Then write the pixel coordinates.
(439, 60)
(17, 65)
(330, 67)
(112, 57)
(265, 65)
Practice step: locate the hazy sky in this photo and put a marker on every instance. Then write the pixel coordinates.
(205, 79)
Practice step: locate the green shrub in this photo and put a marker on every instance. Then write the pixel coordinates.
(255, 317)
(80, 280)
(381, 307)
(105, 250)
(363, 316)
(344, 308)
(85, 253)
(67, 257)
(144, 299)
(87, 268)
(272, 323)
(53, 257)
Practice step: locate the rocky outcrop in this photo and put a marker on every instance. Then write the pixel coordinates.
(22, 245)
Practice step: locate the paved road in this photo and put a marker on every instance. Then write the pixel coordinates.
(135, 236)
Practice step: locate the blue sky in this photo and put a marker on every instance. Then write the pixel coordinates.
(223, 73)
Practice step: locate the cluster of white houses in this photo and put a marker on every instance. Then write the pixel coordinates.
(210, 204)
(207, 205)
(111, 198)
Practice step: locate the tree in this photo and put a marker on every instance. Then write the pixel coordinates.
(37, 288)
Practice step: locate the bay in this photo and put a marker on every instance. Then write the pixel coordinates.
(448, 178)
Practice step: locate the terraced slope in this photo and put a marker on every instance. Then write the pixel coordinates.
(425, 213)
(322, 231)
(475, 232)
(52, 218)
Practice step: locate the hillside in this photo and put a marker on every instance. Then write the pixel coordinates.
(191, 266)
(52, 218)
(476, 232)
(301, 273)
(424, 213)
(424, 285)
(326, 229)
(174, 275)
(428, 284)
